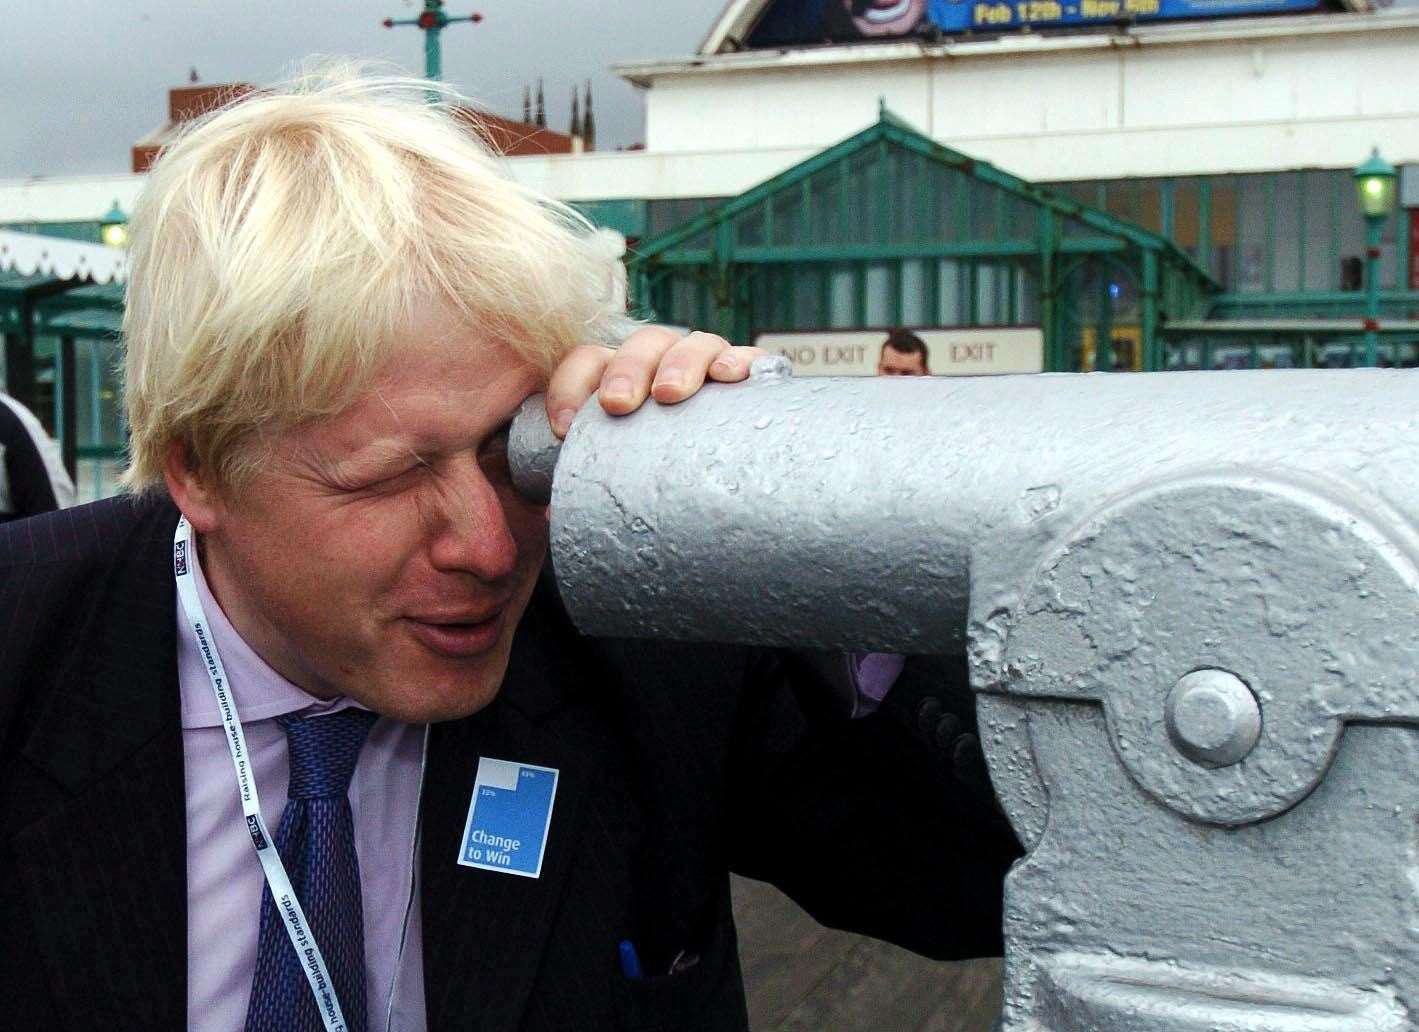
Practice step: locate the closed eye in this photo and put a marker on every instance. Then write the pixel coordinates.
(395, 480)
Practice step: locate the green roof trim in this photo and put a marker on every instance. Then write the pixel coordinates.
(890, 129)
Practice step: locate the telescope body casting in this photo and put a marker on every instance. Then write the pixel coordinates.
(1191, 607)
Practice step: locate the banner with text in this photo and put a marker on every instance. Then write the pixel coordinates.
(791, 22)
(970, 351)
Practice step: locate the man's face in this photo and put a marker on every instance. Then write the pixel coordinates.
(382, 553)
(900, 363)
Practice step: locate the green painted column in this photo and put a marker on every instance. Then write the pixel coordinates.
(66, 403)
(726, 297)
(1268, 275)
(1149, 337)
(1204, 224)
(1374, 235)
(640, 300)
(433, 54)
(1048, 231)
(1401, 250)
(1104, 330)
(741, 325)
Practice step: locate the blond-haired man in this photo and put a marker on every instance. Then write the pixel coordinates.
(247, 711)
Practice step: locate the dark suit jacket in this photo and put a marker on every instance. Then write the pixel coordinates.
(23, 469)
(678, 764)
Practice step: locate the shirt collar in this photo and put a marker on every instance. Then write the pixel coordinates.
(259, 691)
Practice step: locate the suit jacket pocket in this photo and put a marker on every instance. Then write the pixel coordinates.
(707, 997)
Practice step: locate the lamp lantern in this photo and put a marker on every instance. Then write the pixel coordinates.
(1375, 182)
(113, 226)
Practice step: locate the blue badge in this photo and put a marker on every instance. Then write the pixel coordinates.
(508, 817)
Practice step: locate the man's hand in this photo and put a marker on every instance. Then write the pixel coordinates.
(653, 361)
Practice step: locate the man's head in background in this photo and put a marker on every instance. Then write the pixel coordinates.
(903, 354)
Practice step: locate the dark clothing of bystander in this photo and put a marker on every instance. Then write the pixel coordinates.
(25, 488)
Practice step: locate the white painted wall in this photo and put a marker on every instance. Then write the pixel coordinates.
(791, 106)
(1225, 96)
(646, 175)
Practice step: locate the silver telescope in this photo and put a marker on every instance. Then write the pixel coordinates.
(1190, 602)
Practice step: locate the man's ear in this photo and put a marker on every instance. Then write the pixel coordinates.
(192, 489)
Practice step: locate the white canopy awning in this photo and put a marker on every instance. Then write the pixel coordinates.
(32, 255)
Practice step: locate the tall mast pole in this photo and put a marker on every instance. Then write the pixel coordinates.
(432, 21)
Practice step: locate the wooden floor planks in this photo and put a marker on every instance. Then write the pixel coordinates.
(802, 977)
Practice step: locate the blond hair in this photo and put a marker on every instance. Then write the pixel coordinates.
(282, 241)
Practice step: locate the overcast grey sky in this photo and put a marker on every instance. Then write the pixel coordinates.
(82, 80)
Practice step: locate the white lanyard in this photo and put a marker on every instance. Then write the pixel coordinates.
(302, 939)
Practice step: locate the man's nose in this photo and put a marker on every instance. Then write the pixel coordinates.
(471, 533)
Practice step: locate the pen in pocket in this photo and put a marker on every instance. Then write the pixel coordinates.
(630, 960)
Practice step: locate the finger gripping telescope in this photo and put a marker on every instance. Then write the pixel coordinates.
(1190, 602)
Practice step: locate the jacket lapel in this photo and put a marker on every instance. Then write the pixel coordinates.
(105, 868)
(484, 932)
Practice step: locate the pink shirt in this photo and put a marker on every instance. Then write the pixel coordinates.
(224, 878)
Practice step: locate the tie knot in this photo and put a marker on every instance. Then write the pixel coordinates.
(323, 751)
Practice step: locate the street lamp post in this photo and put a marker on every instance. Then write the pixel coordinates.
(1375, 183)
(432, 21)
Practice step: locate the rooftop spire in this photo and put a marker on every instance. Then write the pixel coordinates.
(588, 121)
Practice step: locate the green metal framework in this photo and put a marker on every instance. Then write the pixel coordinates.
(889, 227)
(1286, 344)
(61, 345)
(1274, 238)
(1288, 248)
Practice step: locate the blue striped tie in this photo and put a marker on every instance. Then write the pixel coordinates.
(316, 840)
